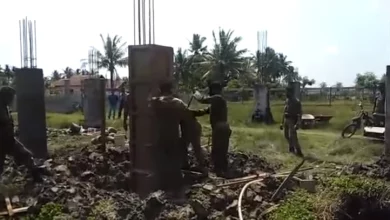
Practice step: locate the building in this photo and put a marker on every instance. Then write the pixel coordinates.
(76, 84)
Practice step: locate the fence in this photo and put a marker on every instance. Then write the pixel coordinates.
(316, 96)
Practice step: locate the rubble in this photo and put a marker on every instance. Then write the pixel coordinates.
(83, 178)
(380, 169)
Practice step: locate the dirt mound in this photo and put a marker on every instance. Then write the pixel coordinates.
(367, 202)
(361, 208)
(83, 181)
(379, 169)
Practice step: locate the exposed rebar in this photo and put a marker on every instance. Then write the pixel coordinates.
(143, 22)
(28, 43)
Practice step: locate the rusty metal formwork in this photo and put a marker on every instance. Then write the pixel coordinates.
(149, 65)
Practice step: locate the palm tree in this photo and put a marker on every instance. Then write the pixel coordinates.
(55, 75)
(305, 81)
(247, 76)
(269, 66)
(68, 72)
(224, 61)
(291, 75)
(196, 57)
(196, 45)
(181, 66)
(114, 54)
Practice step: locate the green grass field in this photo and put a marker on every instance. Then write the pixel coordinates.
(321, 144)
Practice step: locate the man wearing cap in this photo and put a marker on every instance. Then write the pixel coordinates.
(219, 126)
(8, 145)
(291, 120)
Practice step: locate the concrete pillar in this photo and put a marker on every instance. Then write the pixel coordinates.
(387, 112)
(92, 103)
(297, 89)
(149, 65)
(66, 86)
(260, 97)
(30, 99)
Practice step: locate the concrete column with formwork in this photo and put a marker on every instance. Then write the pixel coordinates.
(262, 105)
(149, 66)
(30, 99)
(297, 89)
(92, 102)
(387, 113)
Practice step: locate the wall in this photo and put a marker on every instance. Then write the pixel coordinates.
(59, 103)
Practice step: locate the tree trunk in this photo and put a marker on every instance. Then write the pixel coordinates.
(112, 80)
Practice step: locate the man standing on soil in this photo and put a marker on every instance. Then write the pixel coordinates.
(169, 112)
(8, 144)
(291, 120)
(122, 101)
(191, 134)
(113, 102)
(220, 127)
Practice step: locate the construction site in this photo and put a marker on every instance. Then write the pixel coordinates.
(93, 171)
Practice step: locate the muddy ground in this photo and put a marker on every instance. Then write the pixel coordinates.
(81, 178)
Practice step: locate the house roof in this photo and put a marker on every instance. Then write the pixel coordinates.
(76, 81)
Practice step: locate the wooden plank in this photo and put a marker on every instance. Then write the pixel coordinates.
(9, 206)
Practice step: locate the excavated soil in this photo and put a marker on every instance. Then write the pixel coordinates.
(362, 207)
(83, 176)
(379, 170)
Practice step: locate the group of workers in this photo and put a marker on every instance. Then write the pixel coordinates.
(176, 127)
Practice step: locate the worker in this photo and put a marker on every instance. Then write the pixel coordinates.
(8, 144)
(126, 112)
(191, 134)
(379, 106)
(291, 120)
(122, 101)
(169, 112)
(220, 129)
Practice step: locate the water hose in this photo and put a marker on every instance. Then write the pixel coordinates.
(239, 209)
(274, 196)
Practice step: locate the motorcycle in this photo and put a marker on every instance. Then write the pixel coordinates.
(362, 119)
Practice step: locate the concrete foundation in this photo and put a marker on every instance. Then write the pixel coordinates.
(93, 102)
(149, 65)
(30, 99)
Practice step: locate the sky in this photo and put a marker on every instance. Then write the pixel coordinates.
(327, 40)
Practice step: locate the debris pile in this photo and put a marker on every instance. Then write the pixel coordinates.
(81, 178)
(379, 170)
